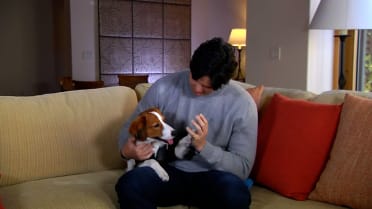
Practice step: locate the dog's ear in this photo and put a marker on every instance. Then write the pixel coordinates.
(138, 128)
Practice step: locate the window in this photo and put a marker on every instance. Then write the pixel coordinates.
(364, 68)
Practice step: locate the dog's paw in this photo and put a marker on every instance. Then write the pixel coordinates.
(183, 147)
(163, 175)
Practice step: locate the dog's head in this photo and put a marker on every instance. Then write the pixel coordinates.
(150, 123)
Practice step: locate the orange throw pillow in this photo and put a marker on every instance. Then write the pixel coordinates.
(294, 140)
(347, 177)
(256, 93)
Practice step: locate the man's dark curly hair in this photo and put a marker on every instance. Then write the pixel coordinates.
(214, 58)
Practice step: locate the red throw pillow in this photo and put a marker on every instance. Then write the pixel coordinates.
(294, 140)
(1, 205)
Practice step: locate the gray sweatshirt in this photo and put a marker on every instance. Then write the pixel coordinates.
(232, 122)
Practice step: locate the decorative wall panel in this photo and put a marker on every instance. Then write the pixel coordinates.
(147, 20)
(177, 55)
(186, 2)
(148, 56)
(177, 22)
(143, 37)
(116, 55)
(115, 18)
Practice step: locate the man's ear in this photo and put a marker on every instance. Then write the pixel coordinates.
(138, 128)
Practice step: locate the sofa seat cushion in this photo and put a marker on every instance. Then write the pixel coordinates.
(263, 198)
(94, 190)
(97, 191)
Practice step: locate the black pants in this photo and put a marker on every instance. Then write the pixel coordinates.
(141, 188)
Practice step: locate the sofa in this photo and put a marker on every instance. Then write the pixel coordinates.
(59, 150)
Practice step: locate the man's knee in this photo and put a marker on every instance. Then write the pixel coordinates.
(133, 182)
(232, 192)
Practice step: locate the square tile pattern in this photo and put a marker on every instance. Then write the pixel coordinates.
(143, 37)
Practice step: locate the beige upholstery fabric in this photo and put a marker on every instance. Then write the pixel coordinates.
(266, 96)
(62, 133)
(93, 190)
(265, 199)
(96, 190)
(141, 89)
(337, 96)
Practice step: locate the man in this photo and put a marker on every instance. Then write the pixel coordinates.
(220, 117)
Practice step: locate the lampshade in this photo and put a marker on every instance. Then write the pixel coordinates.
(343, 14)
(237, 37)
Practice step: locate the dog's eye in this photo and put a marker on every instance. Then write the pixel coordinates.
(156, 125)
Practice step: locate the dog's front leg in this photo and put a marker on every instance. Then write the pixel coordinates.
(183, 147)
(130, 164)
(157, 168)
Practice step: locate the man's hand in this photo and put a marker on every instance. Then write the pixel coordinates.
(199, 135)
(131, 150)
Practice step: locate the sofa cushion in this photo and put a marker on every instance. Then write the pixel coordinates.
(62, 133)
(95, 190)
(347, 177)
(337, 96)
(141, 89)
(294, 139)
(263, 198)
(92, 190)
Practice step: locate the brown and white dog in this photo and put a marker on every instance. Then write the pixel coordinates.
(168, 144)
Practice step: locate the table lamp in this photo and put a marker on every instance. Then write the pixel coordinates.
(237, 38)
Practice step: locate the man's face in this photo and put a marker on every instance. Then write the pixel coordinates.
(202, 86)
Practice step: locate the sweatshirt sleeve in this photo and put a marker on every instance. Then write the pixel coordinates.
(239, 155)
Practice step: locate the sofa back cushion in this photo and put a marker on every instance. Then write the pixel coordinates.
(62, 133)
(266, 96)
(337, 96)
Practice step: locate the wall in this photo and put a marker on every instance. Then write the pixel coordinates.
(27, 46)
(320, 56)
(205, 14)
(84, 39)
(277, 41)
(281, 51)
(216, 18)
(212, 18)
(26, 52)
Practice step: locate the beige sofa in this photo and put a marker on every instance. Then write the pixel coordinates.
(60, 150)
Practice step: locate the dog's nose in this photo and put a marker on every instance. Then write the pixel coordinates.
(174, 133)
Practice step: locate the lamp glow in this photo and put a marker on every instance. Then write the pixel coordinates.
(238, 38)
